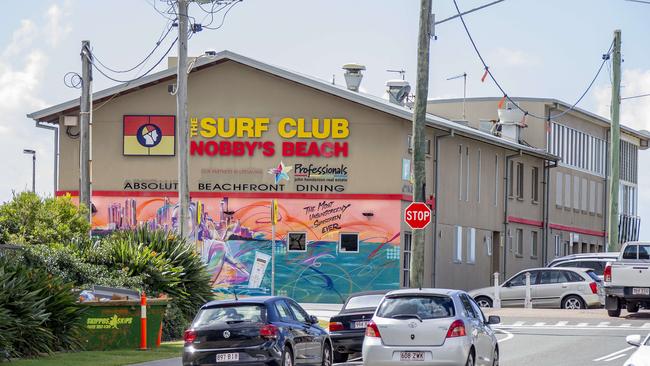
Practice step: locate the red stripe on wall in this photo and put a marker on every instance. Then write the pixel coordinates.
(577, 230)
(166, 124)
(521, 220)
(353, 196)
(133, 123)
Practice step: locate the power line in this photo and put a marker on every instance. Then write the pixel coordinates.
(527, 113)
(637, 96)
(223, 19)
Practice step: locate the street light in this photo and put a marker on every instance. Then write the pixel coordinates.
(33, 154)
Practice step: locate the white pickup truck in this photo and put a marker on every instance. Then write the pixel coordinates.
(627, 280)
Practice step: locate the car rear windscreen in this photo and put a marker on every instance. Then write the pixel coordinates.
(426, 307)
(594, 276)
(363, 301)
(228, 314)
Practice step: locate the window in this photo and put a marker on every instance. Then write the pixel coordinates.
(297, 242)
(460, 172)
(599, 198)
(511, 180)
(629, 162)
(520, 243)
(533, 244)
(535, 184)
(520, 181)
(427, 144)
(471, 246)
(298, 312)
(349, 243)
(578, 149)
(468, 175)
(551, 277)
(584, 194)
(592, 197)
(567, 191)
(558, 189)
(283, 311)
(458, 245)
(496, 180)
(487, 240)
(576, 193)
(630, 252)
(426, 307)
(467, 306)
(221, 315)
(478, 176)
(406, 264)
(520, 279)
(558, 246)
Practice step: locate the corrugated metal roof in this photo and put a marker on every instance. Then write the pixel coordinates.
(52, 114)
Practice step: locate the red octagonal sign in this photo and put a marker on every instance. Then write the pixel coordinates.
(417, 215)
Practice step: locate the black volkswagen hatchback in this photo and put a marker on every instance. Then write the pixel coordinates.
(256, 331)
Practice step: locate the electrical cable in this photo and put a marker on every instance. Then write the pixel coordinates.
(527, 113)
(212, 11)
(158, 43)
(223, 19)
(141, 76)
(637, 96)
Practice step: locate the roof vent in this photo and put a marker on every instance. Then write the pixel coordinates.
(398, 90)
(353, 75)
(511, 122)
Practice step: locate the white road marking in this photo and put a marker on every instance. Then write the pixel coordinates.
(561, 324)
(615, 357)
(508, 337)
(540, 324)
(603, 324)
(582, 324)
(518, 324)
(626, 325)
(646, 325)
(613, 354)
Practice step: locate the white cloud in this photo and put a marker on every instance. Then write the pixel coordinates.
(55, 27)
(512, 57)
(20, 39)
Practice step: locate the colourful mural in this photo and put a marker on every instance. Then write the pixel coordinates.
(234, 238)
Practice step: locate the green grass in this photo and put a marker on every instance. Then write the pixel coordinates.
(105, 358)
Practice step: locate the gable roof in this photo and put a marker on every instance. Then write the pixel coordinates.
(52, 114)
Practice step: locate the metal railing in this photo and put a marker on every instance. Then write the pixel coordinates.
(628, 228)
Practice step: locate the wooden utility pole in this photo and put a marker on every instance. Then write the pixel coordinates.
(614, 145)
(182, 138)
(419, 120)
(85, 127)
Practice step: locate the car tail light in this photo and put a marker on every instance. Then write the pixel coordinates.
(372, 330)
(269, 331)
(336, 326)
(608, 273)
(189, 336)
(594, 287)
(456, 329)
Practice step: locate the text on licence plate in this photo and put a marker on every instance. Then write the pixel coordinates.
(640, 291)
(227, 357)
(411, 356)
(360, 324)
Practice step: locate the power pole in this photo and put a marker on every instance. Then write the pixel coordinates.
(419, 118)
(614, 147)
(85, 114)
(182, 137)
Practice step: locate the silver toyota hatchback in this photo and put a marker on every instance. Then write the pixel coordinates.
(430, 327)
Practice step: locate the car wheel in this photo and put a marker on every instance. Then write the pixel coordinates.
(573, 303)
(484, 302)
(287, 357)
(470, 359)
(327, 355)
(495, 358)
(632, 308)
(614, 313)
(340, 357)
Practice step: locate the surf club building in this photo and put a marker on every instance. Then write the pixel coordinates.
(337, 161)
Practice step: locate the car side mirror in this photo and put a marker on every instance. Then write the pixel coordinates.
(634, 340)
(313, 319)
(494, 319)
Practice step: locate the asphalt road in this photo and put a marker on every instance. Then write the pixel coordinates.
(535, 337)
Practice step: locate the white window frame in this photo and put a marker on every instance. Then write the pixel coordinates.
(478, 177)
(558, 245)
(467, 179)
(576, 193)
(458, 245)
(567, 191)
(559, 185)
(519, 245)
(584, 195)
(487, 240)
(471, 245)
(341, 239)
(460, 172)
(534, 244)
(496, 180)
(289, 240)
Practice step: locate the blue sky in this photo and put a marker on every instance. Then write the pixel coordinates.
(545, 48)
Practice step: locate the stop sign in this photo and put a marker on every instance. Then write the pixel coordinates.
(417, 215)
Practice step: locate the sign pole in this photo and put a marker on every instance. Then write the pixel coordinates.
(274, 219)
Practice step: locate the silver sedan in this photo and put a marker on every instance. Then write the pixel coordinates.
(430, 327)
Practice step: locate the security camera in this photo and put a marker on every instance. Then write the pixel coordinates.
(171, 89)
(210, 53)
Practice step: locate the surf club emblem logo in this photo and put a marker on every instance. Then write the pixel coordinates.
(149, 135)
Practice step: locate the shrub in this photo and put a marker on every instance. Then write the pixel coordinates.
(28, 219)
(37, 310)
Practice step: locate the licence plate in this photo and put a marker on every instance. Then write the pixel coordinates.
(360, 324)
(640, 291)
(227, 357)
(411, 356)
